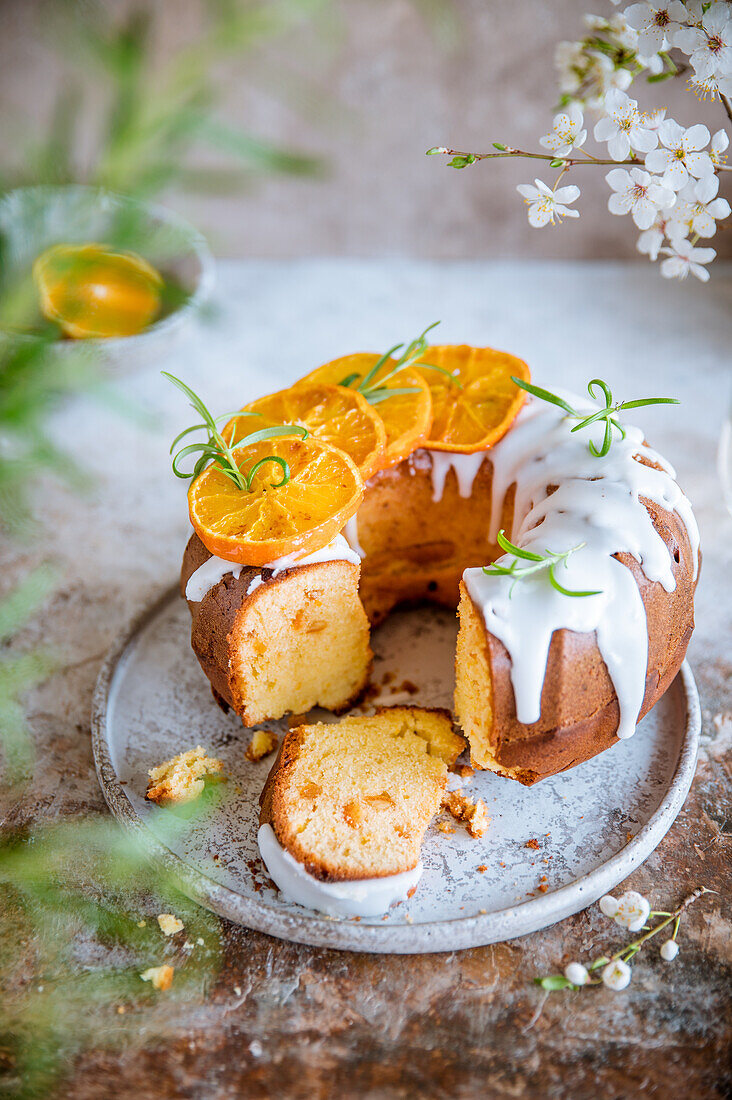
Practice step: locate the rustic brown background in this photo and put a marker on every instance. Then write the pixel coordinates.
(371, 87)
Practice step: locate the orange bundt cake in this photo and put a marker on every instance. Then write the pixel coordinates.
(561, 537)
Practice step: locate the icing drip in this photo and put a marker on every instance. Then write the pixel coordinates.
(465, 466)
(215, 569)
(350, 531)
(369, 897)
(596, 502)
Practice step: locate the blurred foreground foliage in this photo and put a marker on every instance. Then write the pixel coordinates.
(78, 926)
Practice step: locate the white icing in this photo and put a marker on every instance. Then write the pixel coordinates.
(215, 569)
(466, 470)
(596, 502)
(350, 532)
(368, 897)
(208, 575)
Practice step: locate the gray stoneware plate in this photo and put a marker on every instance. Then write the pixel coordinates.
(593, 825)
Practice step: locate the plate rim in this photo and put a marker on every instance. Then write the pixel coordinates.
(458, 933)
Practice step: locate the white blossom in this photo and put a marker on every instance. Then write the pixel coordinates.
(566, 133)
(623, 127)
(709, 45)
(650, 240)
(698, 209)
(684, 259)
(576, 973)
(545, 205)
(633, 910)
(616, 975)
(569, 61)
(712, 86)
(717, 153)
(680, 156)
(603, 77)
(669, 950)
(653, 119)
(608, 905)
(657, 24)
(639, 194)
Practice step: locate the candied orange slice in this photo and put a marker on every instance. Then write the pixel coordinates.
(92, 290)
(273, 519)
(335, 414)
(406, 416)
(475, 414)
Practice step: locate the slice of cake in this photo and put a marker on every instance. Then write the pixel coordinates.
(279, 639)
(346, 806)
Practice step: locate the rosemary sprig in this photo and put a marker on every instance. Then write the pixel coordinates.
(217, 450)
(375, 392)
(607, 413)
(537, 563)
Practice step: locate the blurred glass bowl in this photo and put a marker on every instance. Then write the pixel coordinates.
(34, 218)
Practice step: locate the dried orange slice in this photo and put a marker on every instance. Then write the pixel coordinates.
(273, 520)
(475, 414)
(335, 414)
(92, 290)
(406, 416)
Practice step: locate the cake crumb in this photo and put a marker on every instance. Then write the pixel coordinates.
(121, 1010)
(160, 976)
(142, 924)
(263, 742)
(533, 843)
(182, 778)
(466, 772)
(462, 808)
(169, 924)
(482, 911)
(444, 827)
(542, 887)
(482, 868)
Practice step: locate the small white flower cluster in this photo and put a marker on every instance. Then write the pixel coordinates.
(630, 911)
(671, 188)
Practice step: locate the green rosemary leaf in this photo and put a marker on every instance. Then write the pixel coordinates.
(270, 433)
(545, 395)
(263, 462)
(442, 370)
(649, 401)
(607, 440)
(194, 399)
(377, 365)
(570, 592)
(374, 397)
(511, 548)
(349, 379)
(604, 387)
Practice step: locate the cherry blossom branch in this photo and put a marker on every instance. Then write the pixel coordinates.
(508, 151)
(554, 162)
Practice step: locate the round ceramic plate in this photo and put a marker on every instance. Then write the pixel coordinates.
(550, 850)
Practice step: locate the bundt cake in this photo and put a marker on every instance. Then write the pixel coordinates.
(568, 546)
(346, 806)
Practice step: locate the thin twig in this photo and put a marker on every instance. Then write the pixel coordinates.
(727, 105)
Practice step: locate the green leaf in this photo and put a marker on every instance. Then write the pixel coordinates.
(434, 151)
(457, 162)
(656, 78)
(260, 154)
(545, 395)
(557, 163)
(499, 145)
(554, 982)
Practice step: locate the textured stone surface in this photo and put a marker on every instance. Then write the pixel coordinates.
(369, 88)
(291, 1021)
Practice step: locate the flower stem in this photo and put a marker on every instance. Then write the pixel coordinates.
(727, 105)
(570, 162)
(675, 916)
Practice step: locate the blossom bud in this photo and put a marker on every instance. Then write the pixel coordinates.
(632, 912)
(576, 973)
(669, 950)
